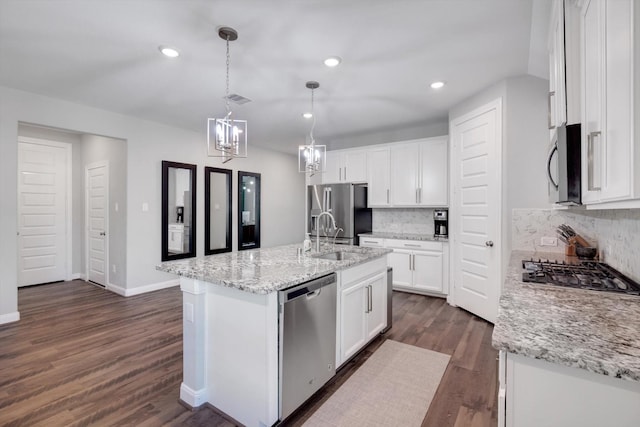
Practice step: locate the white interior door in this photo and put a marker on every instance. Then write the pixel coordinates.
(43, 200)
(97, 246)
(476, 148)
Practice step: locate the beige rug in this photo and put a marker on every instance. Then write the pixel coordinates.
(394, 387)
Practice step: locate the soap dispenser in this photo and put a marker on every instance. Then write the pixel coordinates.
(307, 243)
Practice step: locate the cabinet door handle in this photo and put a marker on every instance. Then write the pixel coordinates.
(416, 195)
(593, 182)
(345, 173)
(387, 195)
(411, 245)
(551, 125)
(370, 298)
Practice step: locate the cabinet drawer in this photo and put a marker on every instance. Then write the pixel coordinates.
(354, 275)
(414, 245)
(371, 242)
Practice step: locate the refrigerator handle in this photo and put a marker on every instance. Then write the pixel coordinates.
(329, 201)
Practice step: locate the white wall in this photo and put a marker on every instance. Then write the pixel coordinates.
(383, 136)
(525, 143)
(147, 144)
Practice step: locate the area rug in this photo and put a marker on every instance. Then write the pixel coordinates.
(394, 387)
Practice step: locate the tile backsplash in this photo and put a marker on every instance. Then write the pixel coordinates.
(616, 233)
(416, 220)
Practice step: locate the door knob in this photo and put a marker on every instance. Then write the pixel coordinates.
(103, 233)
(489, 243)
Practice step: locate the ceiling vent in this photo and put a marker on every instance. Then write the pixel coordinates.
(237, 99)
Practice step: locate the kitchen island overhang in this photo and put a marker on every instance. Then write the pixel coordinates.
(231, 323)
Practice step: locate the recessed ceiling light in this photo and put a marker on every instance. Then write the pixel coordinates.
(333, 61)
(307, 115)
(437, 85)
(171, 52)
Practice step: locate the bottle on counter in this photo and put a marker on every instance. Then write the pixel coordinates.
(307, 243)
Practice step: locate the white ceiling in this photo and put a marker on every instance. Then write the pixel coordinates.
(104, 53)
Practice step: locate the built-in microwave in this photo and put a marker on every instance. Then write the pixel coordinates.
(564, 166)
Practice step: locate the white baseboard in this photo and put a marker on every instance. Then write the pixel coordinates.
(9, 317)
(192, 397)
(126, 292)
(76, 276)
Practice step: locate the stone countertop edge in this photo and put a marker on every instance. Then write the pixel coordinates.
(267, 270)
(405, 236)
(592, 330)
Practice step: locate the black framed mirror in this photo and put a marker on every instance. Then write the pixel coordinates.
(217, 210)
(178, 210)
(248, 210)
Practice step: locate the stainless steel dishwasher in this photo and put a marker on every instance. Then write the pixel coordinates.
(307, 345)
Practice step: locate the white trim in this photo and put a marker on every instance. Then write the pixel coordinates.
(69, 196)
(127, 292)
(87, 167)
(78, 276)
(9, 317)
(191, 397)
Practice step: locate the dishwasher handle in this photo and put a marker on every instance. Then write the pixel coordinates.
(308, 289)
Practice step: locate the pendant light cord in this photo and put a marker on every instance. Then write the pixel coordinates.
(226, 98)
(313, 122)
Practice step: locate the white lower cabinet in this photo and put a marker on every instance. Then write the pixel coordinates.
(362, 311)
(536, 393)
(419, 265)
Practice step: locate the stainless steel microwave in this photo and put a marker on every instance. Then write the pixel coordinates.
(564, 166)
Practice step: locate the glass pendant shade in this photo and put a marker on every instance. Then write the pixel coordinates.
(226, 138)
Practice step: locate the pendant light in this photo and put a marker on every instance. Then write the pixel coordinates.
(312, 157)
(227, 137)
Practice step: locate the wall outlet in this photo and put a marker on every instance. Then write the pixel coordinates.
(145, 207)
(548, 241)
(113, 268)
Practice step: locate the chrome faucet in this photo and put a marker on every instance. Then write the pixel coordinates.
(333, 220)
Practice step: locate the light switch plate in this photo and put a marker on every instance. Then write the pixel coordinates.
(187, 312)
(548, 241)
(145, 207)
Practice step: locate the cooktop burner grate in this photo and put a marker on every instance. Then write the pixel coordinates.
(590, 275)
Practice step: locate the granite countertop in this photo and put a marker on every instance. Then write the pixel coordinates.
(263, 271)
(405, 236)
(592, 330)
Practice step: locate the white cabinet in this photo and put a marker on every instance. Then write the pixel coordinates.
(176, 238)
(371, 242)
(363, 313)
(557, 88)
(536, 393)
(378, 177)
(345, 166)
(610, 150)
(419, 266)
(419, 173)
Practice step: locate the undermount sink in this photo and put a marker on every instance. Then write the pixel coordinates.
(337, 256)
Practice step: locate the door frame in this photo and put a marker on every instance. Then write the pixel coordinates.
(68, 205)
(454, 208)
(87, 167)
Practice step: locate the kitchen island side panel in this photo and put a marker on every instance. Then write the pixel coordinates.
(242, 354)
(231, 351)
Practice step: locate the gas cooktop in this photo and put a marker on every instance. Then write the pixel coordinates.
(595, 276)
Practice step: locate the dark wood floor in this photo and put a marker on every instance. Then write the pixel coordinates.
(85, 356)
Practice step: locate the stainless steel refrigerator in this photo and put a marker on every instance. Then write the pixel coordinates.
(348, 205)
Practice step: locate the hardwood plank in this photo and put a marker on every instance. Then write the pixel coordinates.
(81, 355)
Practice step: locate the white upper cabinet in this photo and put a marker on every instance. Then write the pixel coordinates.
(610, 152)
(419, 173)
(346, 166)
(379, 177)
(557, 89)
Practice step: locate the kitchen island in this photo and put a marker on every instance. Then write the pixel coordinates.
(231, 322)
(567, 356)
